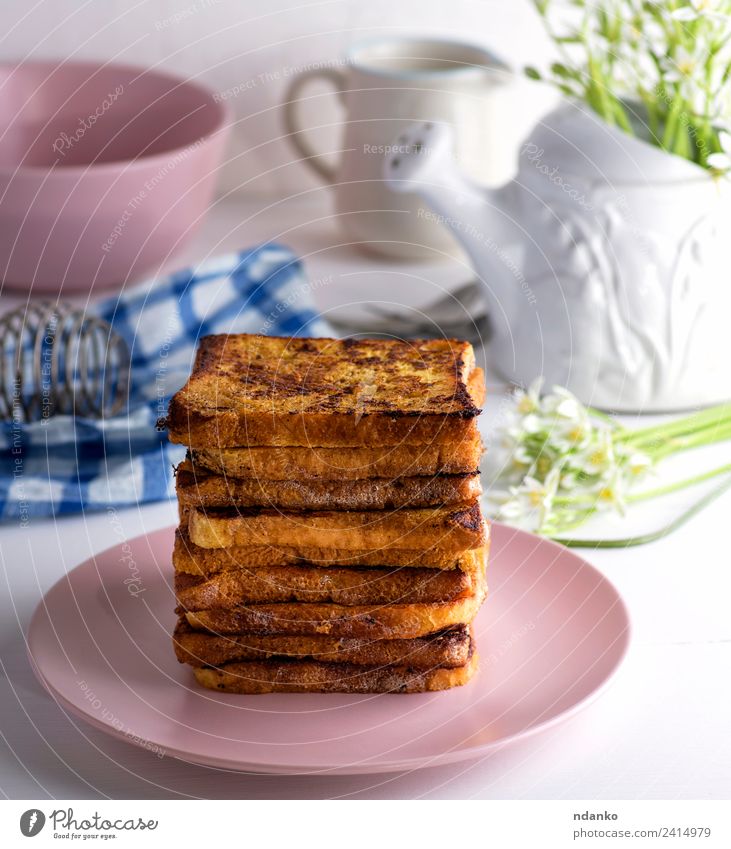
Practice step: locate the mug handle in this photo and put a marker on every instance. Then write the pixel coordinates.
(295, 134)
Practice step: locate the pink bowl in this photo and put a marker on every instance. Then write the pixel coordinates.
(105, 170)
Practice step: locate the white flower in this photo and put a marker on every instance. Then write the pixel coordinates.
(563, 403)
(638, 464)
(649, 34)
(599, 457)
(572, 433)
(681, 66)
(567, 421)
(522, 457)
(596, 43)
(684, 13)
(528, 401)
(532, 500)
(722, 161)
(532, 424)
(696, 9)
(556, 444)
(609, 492)
(640, 66)
(570, 479)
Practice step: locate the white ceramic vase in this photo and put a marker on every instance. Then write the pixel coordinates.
(606, 261)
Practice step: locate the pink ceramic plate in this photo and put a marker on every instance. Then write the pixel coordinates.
(550, 635)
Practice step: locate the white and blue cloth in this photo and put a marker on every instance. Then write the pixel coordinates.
(67, 465)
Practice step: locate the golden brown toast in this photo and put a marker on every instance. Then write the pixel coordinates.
(378, 622)
(448, 529)
(348, 586)
(306, 676)
(266, 390)
(344, 464)
(194, 560)
(199, 488)
(449, 648)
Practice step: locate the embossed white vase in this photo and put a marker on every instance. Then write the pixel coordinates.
(606, 261)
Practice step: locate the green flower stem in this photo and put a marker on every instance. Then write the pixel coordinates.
(568, 500)
(710, 425)
(704, 124)
(621, 116)
(643, 539)
(571, 501)
(662, 446)
(678, 485)
(668, 138)
(605, 417)
(571, 525)
(654, 116)
(719, 411)
(695, 440)
(596, 93)
(713, 415)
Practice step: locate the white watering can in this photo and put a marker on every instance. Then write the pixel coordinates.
(606, 262)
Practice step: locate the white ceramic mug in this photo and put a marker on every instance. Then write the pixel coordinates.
(386, 85)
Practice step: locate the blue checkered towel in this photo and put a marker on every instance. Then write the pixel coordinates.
(66, 465)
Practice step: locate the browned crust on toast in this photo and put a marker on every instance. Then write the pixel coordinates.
(447, 529)
(387, 462)
(302, 676)
(378, 622)
(262, 390)
(200, 488)
(322, 586)
(194, 560)
(449, 648)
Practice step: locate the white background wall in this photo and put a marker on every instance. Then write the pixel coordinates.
(258, 45)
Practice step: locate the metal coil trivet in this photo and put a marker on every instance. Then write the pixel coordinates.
(57, 359)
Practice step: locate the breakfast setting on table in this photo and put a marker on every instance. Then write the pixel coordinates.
(411, 459)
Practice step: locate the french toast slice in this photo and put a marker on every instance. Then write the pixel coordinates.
(449, 648)
(265, 390)
(194, 560)
(377, 622)
(196, 487)
(306, 676)
(387, 462)
(447, 529)
(323, 585)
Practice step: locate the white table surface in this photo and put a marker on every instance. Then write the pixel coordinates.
(662, 730)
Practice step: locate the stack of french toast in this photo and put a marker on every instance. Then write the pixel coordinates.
(331, 537)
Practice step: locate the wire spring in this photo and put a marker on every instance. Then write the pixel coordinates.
(56, 360)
